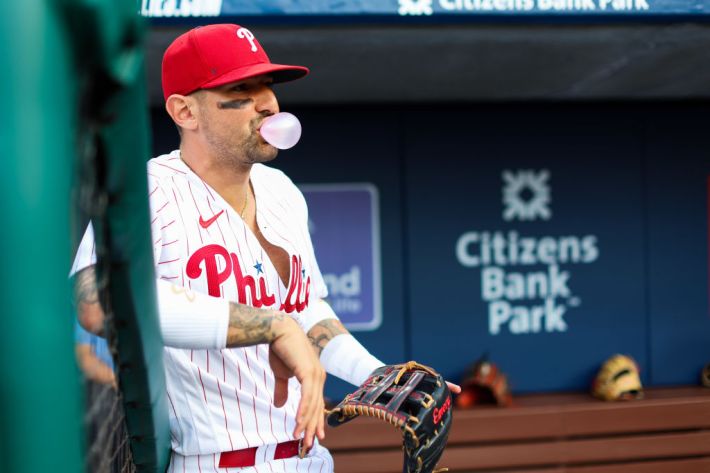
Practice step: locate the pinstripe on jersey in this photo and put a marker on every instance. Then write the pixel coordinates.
(221, 400)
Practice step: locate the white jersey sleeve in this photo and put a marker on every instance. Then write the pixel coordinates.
(86, 254)
(190, 319)
(187, 319)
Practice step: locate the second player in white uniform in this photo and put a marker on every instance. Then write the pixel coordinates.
(250, 246)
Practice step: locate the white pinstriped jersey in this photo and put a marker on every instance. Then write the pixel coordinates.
(221, 400)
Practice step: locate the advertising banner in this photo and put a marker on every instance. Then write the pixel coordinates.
(352, 9)
(530, 250)
(345, 229)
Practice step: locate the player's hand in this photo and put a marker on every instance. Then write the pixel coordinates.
(281, 376)
(292, 354)
(454, 388)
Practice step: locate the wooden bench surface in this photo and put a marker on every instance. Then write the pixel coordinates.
(552, 433)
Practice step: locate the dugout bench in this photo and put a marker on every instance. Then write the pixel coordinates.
(668, 431)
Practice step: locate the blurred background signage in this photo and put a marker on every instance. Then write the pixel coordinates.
(345, 229)
(435, 9)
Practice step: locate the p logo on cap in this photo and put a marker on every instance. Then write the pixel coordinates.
(245, 33)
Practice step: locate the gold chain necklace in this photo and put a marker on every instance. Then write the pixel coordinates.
(246, 194)
(246, 201)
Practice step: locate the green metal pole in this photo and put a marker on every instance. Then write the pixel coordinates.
(109, 35)
(40, 400)
(55, 55)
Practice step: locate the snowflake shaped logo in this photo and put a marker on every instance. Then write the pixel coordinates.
(415, 7)
(526, 195)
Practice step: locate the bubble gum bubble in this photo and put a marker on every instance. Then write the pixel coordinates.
(282, 130)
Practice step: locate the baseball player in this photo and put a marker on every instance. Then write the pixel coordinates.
(240, 294)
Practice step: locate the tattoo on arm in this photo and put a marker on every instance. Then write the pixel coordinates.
(85, 289)
(86, 297)
(323, 332)
(250, 326)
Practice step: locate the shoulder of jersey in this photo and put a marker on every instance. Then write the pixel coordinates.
(277, 180)
(273, 177)
(166, 166)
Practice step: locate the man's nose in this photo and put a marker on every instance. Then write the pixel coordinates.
(266, 101)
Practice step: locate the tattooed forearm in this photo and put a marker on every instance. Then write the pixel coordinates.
(86, 297)
(249, 326)
(85, 290)
(323, 332)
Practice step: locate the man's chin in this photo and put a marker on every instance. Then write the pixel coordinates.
(266, 154)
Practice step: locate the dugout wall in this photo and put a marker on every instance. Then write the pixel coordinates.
(620, 265)
(459, 128)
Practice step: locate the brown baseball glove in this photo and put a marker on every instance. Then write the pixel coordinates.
(484, 383)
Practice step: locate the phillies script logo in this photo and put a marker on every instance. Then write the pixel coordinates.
(205, 259)
(439, 412)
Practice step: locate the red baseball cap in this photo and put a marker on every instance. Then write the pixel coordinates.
(214, 55)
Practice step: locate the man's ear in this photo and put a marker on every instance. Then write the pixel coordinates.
(182, 109)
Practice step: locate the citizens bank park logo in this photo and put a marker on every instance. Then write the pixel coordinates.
(526, 195)
(526, 280)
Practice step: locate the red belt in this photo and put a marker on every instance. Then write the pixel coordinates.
(247, 456)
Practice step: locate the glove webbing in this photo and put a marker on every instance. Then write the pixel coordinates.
(370, 397)
(403, 393)
(393, 405)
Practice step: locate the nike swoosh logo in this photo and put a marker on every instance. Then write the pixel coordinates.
(207, 223)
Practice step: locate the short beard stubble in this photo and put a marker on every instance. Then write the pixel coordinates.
(247, 152)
